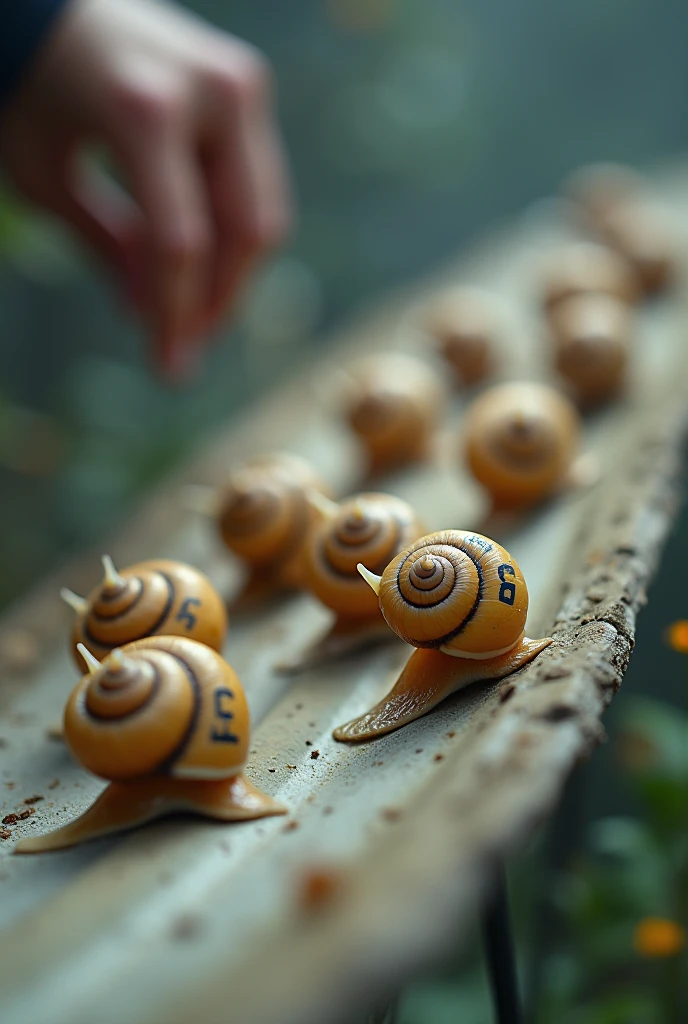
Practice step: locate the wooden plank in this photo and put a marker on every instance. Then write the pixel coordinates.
(192, 920)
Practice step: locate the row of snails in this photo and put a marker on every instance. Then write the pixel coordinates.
(589, 291)
(165, 719)
(518, 439)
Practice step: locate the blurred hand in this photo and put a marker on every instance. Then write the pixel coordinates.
(184, 112)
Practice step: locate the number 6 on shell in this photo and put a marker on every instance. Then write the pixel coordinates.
(165, 719)
(461, 599)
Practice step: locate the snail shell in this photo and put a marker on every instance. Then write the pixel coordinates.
(586, 267)
(463, 323)
(592, 341)
(368, 528)
(639, 232)
(394, 406)
(163, 705)
(457, 592)
(165, 719)
(460, 599)
(599, 188)
(146, 599)
(264, 510)
(520, 441)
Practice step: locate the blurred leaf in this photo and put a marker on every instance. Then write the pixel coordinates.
(628, 1007)
(666, 729)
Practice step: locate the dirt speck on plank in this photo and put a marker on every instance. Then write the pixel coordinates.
(186, 927)
(315, 754)
(33, 799)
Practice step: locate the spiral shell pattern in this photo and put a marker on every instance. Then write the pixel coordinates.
(165, 705)
(369, 528)
(154, 597)
(458, 592)
(264, 514)
(520, 440)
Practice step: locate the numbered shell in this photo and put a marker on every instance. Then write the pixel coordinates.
(458, 592)
(164, 705)
(464, 325)
(368, 528)
(394, 406)
(264, 514)
(157, 597)
(520, 440)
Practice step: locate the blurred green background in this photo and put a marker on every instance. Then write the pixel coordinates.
(410, 125)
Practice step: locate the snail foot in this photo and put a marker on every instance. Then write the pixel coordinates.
(429, 677)
(125, 805)
(345, 638)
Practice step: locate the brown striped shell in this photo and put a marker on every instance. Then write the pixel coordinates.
(265, 513)
(150, 598)
(455, 591)
(369, 528)
(165, 705)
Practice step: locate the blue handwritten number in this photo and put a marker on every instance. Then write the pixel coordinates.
(186, 615)
(507, 591)
(223, 734)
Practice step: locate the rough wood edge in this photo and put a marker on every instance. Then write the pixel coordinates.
(427, 878)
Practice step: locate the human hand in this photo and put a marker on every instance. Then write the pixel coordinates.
(184, 112)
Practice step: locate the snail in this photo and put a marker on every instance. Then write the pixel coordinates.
(583, 267)
(618, 204)
(393, 404)
(165, 720)
(592, 338)
(520, 442)
(146, 599)
(263, 515)
(370, 527)
(641, 234)
(599, 188)
(463, 323)
(461, 600)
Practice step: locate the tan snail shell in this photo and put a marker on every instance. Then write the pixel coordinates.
(166, 720)
(640, 232)
(599, 188)
(583, 267)
(462, 601)
(394, 404)
(463, 323)
(520, 440)
(150, 598)
(619, 205)
(370, 527)
(592, 334)
(264, 513)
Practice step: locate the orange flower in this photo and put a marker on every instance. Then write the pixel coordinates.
(658, 937)
(677, 636)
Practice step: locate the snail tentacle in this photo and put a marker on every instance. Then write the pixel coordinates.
(461, 600)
